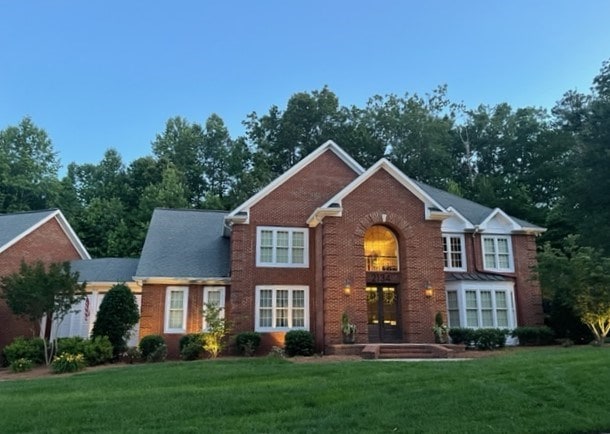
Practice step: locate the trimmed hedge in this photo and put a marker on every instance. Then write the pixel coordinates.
(541, 335)
(96, 351)
(481, 339)
(150, 344)
(22, 348)
(191, 346)
(298, 343)
(247, 343)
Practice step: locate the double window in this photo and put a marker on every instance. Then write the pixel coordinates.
(454, 253)
(282, 308)
(481, 305)
(176, 303)
(282, 247)
(497, 253)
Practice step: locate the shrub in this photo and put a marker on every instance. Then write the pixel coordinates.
(248, 342)
(277, 353)
(22, 365)
(490, 338)
(461, 335)
(534, 335)
(22, 348)
(158, 355)
(96, 351)
(298, 343)
(216, 329)
(133, 354)
(191, 346)
(150, 343)
(67, 362)
(117, 314)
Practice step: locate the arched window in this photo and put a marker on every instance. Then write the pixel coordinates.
(380, 249)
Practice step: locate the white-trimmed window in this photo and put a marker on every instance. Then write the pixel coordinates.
(282, 247)
(497, 253)
(214, 295)
(454, 252)
(281, 308)
(481, 304)
(176, 304)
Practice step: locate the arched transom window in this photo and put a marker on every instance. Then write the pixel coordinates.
(380, 249)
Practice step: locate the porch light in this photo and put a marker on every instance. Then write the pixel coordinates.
(347, 289)
(428, 290)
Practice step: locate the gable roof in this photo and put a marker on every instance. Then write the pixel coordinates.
(240, 212)
(433, 209)
(185, 245)
(113, 270)
(475, 213)
(16, 226)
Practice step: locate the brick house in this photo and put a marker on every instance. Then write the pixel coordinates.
(329, 237)
(32, 236)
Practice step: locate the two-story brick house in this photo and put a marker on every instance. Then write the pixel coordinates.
(328, 237)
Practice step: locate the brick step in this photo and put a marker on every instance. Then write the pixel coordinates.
(404, 351)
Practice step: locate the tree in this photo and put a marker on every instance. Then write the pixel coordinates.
(182, 145)
(37, 292)
(28, 168)
(578, 278)
(216, 329)
(117, 315)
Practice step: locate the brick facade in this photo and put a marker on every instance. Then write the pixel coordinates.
(48, 243)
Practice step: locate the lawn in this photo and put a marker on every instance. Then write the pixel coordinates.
(558, 390)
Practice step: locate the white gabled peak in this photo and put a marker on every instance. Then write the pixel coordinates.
(237, 215)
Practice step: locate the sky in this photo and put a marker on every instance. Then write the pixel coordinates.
(102, 74)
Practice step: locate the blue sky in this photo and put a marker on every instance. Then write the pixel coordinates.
(99, 74)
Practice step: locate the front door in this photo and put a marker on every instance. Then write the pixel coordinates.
(382, 305)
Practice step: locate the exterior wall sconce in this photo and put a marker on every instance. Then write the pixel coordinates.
(347, 289)
(428, 290)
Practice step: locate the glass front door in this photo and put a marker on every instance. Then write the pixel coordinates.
(382, 307)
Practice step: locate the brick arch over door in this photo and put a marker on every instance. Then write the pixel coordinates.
(401, 228)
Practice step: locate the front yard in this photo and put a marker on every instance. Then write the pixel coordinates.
(537, 390)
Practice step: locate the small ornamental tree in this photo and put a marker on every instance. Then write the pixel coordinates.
(216, 329)
(117, 315)
(36, 292)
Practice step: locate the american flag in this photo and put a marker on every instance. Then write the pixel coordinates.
(87, 309)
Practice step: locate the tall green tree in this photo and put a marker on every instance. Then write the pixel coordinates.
(282, 138)
(28, 168)
(182, 145)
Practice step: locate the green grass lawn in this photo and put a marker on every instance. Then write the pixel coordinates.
(559, 390)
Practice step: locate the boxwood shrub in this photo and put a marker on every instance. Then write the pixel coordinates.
(482, 339)
(298, 343)
(461, 335)
(247, 343)
(149, 345)
(96, 351)
(22, 348)
(541, 335)
(191, 346)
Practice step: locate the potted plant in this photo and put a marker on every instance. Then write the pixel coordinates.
(440, 329)
(348, 329)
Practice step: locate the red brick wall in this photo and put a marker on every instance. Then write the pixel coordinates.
(290, 204)
(420, 256)
(152, 316)
(48, 243)
(527, 289)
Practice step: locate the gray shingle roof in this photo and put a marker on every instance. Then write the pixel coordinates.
(114, 270)
(185, 244)
(474, 212)
(15, 224)
(455, 276)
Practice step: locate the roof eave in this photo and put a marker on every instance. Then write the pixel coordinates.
(318, 215)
